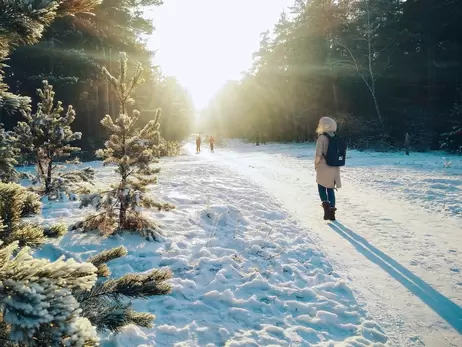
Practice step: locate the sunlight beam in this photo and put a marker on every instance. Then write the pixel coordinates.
(205, 43)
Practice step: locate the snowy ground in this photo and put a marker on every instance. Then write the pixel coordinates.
(252, 260)
(398, 239)
(245, 272)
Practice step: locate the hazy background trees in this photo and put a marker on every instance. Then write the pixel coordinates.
(70, 55)
(380, 67)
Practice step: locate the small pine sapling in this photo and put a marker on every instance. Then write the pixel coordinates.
(17, 202)
(47, 136)
(132, 150)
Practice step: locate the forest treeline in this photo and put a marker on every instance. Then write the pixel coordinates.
(70, 55)
(381, 68)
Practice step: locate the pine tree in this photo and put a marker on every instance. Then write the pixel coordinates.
(44, 303)
(47, 135)
(35, 302)
(23, 22)
(38, 298)
(452, 140)
(132, 151)
(8, 154)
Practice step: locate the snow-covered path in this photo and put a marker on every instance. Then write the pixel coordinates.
(245, 273)
(398, 238)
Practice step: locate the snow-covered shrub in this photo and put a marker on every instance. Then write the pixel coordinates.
(168, 148)
(20, 200)
(17, 202)
(46, 136)
(132, 151)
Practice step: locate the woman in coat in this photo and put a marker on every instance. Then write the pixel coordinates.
(327, 177)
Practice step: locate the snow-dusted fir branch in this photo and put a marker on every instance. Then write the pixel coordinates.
(8, 154)
(102, 258)
(107, 305)
(37, 302)
(60, 303)
(133, 151)
(47, 136)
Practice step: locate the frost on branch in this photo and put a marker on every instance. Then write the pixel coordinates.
(46, 136)
(37, 302)
(17, 202)
(132, 151)
(102, 258)
(108, 305)
(8, 154)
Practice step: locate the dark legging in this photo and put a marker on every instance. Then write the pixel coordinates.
(327, 194)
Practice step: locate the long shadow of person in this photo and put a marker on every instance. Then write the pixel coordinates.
(444, 307)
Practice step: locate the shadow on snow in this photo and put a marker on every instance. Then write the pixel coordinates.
(445, 308)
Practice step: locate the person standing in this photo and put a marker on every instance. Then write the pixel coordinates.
(198, 144)
(212, 143)
(330, 155)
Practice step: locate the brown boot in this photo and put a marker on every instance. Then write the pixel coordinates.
(332, 213)
(326, 207)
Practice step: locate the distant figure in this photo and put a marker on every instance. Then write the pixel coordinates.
(330, 155)
(198, 144)
(212, 142)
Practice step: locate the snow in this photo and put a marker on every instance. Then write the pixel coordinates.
(255, 265)
(398, 238)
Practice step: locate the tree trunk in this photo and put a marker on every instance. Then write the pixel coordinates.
(335, 95)
(48, 178)
(105, 87)
(51, 62)
(123, 206)
(431, 77)
(41, 171)
(407, 143)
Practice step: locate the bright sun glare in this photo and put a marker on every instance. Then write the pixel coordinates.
(204, 43)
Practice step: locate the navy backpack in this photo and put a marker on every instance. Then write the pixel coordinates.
(336, 151)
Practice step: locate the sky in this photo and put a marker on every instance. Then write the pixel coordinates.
(205, 43)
